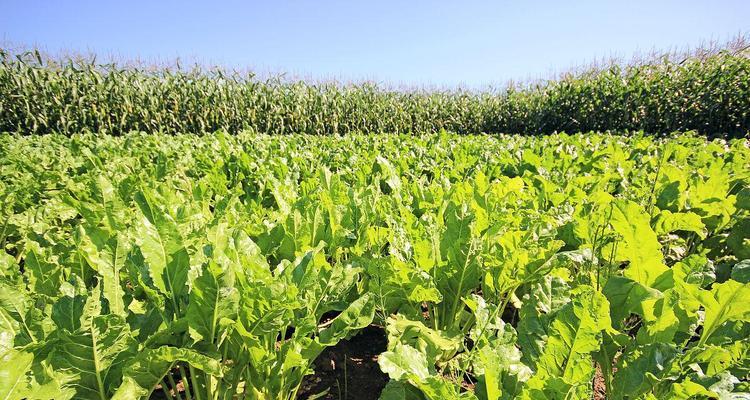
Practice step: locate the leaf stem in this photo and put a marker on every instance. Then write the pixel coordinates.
(194, 382)
(185, 382)
(173, 385)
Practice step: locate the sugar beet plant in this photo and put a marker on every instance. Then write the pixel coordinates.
(499, 267)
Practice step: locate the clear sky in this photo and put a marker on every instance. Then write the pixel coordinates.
(442, 43)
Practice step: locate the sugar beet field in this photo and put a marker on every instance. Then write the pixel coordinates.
(422, 264)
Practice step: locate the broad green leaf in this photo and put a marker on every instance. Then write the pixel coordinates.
(14, 366)
(689, 390)
(460, 272)
(542, 302)
(574, 335)
(67, 312)
(45, 277)
(553, 388)
(696, 270)
(20, 322)
(211, 301)
(739, 239)
(638, 244)
(267, 308)
(404, 362)
(626, 297)
(106, 255)
(487, 320)
(94, 355)
(499, 371)
(391, 180)
(397, 390)
(436, 345)
(743, 199)
(668, 222)
(741, 271)
(663, 317)
(399, 286)
(409, 364)
(728, 301)
(237, 254)
(161, 244)
(21, 377)
(525, 257)
(716, 359)
(8, 265)
(148, 368)
(641, 367)
(358, 315)
(724, 387)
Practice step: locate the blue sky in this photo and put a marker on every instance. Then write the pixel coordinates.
(468, 43)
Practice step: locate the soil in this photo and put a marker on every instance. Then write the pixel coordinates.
(350, 369)
(600, 388)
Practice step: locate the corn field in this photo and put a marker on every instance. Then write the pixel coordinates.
(709, 94)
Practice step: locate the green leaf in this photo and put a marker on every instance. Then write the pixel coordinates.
(145, 371)
(460, 273)
(663, 317)
(716, 359)
(14, 366)
(548, 294)
(389, 175)
(499, 370)
(728, 301)
(20, 322)
(397, 390)
(638, 243)
(641, 368)
(668, 222)
(13, 309)
(45, 276)
(211, 301)
(574, 335)
(488, 322)
(406, 363)
(106, 255)
(541, 303)
(626, 297)
(553, 388)
(358, 315)
(8, 265)
(525, 257)
(237, 254)
(67, 312)
(94, 355)
(739, 239)
(689, 390)
(741, 271)
(320, 286)
(164, 253)
(437, 345)
(743, 199)
(399, 286)
(23, 377)
(695, 270)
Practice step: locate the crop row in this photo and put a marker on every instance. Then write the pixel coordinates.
(500, 267)
(708, 94)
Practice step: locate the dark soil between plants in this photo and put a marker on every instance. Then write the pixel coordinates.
(350, 369)
(600, 388)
